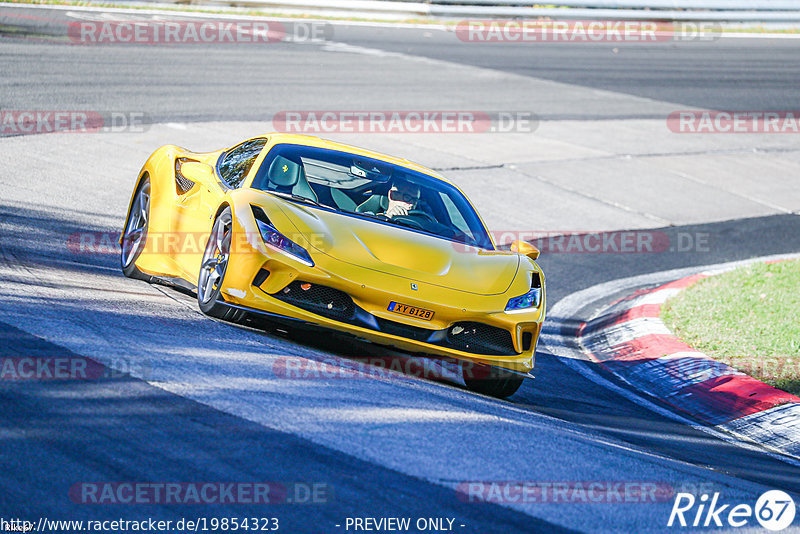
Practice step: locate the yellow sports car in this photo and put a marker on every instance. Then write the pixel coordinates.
(311, 232)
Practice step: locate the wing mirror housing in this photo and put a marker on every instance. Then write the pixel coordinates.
(523, 247)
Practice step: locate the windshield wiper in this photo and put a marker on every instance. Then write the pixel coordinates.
(298, 198)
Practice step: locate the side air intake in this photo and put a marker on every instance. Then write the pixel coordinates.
(182, 184)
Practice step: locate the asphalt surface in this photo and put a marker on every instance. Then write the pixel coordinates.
(729, 74)
(180, 440)
(207, 406)
(724, 74)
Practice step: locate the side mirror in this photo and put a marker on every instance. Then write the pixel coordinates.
(198, 172)
(523, 247)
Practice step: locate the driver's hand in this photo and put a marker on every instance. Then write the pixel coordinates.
(396, 209)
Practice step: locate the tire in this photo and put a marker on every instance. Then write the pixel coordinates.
(213, 267)
(491, 381)
(134, 235)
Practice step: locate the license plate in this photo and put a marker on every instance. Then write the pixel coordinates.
(411, 311)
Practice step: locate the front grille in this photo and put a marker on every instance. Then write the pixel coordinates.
(322, 300)
(478, 338)
(472, 337)
(403, 330)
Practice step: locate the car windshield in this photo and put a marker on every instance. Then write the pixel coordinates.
(369, 188)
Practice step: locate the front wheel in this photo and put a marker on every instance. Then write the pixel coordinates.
(213, 268)
(134, 236)
(491, 381)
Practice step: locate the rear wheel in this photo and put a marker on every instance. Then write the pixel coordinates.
(134, 236)
(491, 381)
(213, 268)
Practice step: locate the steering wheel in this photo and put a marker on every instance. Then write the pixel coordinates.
(410, 221)
(417, 213)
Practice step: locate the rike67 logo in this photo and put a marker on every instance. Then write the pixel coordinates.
(774, 510)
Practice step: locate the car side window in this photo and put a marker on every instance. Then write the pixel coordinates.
(236, 162)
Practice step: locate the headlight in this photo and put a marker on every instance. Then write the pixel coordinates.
(279, 242)
(528, 300)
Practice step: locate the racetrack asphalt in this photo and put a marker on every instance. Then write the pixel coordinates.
(208, 406)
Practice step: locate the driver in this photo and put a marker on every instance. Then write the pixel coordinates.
(403, 197)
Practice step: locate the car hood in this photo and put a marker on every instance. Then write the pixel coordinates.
(402, 252)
